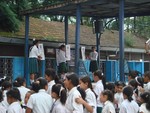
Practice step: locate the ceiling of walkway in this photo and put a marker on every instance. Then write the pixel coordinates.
(97, 8)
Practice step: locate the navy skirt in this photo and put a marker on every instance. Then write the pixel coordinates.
(93, 66)
(33, 65)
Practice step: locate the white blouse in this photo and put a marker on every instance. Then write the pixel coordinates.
(143, 108)
(34, 52)
(15, 107)
(108, 107)
(93, 55)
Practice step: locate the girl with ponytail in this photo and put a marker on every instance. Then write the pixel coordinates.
(145, 100)
(60, 95)
(14, 100)
(128, 105)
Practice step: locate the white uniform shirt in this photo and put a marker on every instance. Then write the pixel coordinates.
(59, 108)
(50, 84)
(40, 102)
(98, 89)
(91, 100)
(147, 86)
(143, 108)
(119, 98)
(34, 52)
(108, 107)
(15, 107)
(23, 90)
(2, 108)
(71, 105)
(61, 56)
(129, 107)
(4, 102)
(93, 55)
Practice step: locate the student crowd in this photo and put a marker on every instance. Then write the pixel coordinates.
(76, 94)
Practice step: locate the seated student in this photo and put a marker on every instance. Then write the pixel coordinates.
(145, 100)
(60, 95)
(2, 108)
(71, 82)
(107, 98)
(128, 105)
(40, 102)
(14, 99)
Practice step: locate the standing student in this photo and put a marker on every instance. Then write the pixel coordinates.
(145, 100)
(107, 98)
(71, 82)
(132, 74)
(14, 99)
(147, 81)
(50, 77)
(90, 100)
(34, 56)
(2, 108)
(99, 87)
(40, 102)
(128, 105)
(93, 58)
(60, 95)
(62, 67)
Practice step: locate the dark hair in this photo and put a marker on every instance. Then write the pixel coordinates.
(82, 92)
(6, 85)
(62, 46)
(140, 81)
(41, 83)
(35, 42)
(51, 73)
(146, 97)
(14, 93)
(74, 79)
(61, 92)
(109, 94)
(133, 83)
(86, 79)
(35, 87)
(119, 83)
(128, 91)
(101, 77)
(110, 86)
(1, 96)
(133, 74)
(18, 82)
(147, 74)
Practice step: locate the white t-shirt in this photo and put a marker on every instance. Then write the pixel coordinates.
(59, 108)
(50, 84)
(143, 108)
(108, 107)
(61, 56)
(129, 107)
(15, 107)
(119, 98)
(98, 89)
(2, 109)
(71, 105)
(93, 55)
(23, 90)
(91, 100)
(40, 102)
(34, 52)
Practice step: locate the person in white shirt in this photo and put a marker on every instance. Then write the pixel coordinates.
(128, 105)
(2, 108)
(40, 102)
(145, 100)
(107, 98)
(99, 87)
(61, 59)
(147, 81)
(21, 85)
(71, 81)
(118, 97)
(60, 95)
(93, 58)
(14, 100)
(89, 103)
(34, 56)
(50, 77)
